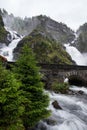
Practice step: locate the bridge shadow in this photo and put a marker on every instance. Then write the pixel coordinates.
(76, 80)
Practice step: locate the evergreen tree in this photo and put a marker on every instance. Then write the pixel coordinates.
(37, 101)
(10, 101)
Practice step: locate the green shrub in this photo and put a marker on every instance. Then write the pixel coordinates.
(37, 101)
(60, 87)
(11, 107)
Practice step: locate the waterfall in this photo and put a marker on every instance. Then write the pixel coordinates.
(80, 59)
(7, 51)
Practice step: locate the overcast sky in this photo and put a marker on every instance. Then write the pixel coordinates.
(71, 12)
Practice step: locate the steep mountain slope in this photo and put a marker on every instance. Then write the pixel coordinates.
(81, 42)
(44, 35)
(22, 26)
(52, 29)
(46, 50)
(3, 32)
(57, 31)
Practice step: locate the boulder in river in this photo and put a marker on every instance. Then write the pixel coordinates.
(56, 105)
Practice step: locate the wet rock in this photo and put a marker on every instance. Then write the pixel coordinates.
(40, 126)
(50, 121)
(70, 92)
(2, 58)
(56, 105)
(80, 92)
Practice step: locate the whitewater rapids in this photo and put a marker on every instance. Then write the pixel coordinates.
(73, 115)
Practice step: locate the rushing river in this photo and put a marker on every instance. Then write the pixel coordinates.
(73, 115)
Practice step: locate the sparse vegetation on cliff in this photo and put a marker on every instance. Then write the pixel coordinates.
(46, 50)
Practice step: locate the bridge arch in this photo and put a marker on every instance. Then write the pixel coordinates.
(76, 80)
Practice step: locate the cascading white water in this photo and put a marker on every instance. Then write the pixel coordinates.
(75, 88)
(7, 51)
(72, 116)
(80, 59)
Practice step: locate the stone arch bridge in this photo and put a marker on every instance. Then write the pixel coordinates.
(77, 75)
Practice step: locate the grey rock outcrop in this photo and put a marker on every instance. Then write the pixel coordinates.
(3, 32)
(56, 105)
(81, 42)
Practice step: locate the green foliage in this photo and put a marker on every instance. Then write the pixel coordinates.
(36, 100)
(10, 101)
(46, 50)
(60, 87)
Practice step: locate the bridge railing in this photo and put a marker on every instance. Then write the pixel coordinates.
(62, 67)
(57, 66)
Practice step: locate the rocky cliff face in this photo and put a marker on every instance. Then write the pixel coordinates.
(81, 42)
(57, 31)
(46, 50)
(44, 35)
(3, 33)
(50, 28)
